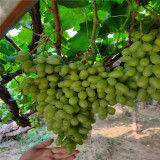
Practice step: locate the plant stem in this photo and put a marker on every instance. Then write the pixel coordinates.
(99, 52)
(130, 8)
(95, 24)
(37, 26)
(57, 24)
(132, 23)
(154, 14)
(13, 43)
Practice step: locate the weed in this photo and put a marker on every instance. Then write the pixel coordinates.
(2, 149)
(131, 149)
(99, 157)
(34, 136)
(118, 144)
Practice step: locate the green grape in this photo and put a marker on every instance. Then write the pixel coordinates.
(68, 108)
(101, 84)
(73, 100)
(116, 74)
(83, 103)
(83, 74)
(112, 81)
(82, 95)
(111, 110)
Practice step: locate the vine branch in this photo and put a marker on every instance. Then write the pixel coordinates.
(109, 63)
(37, 26)
(12, 43)
(58, 25)
(154, 14)
(9, 77)
(95, 24)
(13, 107)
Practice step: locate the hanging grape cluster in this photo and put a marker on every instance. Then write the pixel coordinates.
(35, 121)
(69, 95)
(142, 65)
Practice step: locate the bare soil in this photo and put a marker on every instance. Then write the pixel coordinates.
(113, 139)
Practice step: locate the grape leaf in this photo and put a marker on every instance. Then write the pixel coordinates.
(71, 17)
(10, 59)
(25, 35)
(6, 48)
(114, 20)
(108, 4)
(80, 41)
(73, 3)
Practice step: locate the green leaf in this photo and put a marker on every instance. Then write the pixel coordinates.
(131, 149)
(80, 41)
(2, 61)
(102, 14)
(114, 19)
(71, 17)
(73, 3)
(155, 5)
(42, 7)
(3, 148)
(118, 144)
(48, 17)
(6, 116)
(10, 59)
(108, 4)
(26, 17)
(14, 84)
(25, 35)
(6, 48)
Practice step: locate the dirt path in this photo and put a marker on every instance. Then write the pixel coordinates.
(113, 139)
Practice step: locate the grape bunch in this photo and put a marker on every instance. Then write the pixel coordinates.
(69, 95)
(142, 66)
(35, 121)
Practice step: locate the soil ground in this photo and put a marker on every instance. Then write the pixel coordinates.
(113, 139)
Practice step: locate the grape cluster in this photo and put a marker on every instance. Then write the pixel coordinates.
(69, 95)
(142, 66)
(35, 121)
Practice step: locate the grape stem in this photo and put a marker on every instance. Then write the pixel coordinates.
(132, 22)
(108, 59)
(130, 8)
(117, 56)
(41, 42)
(79, 54)
(58, 25)
(13, 43)
(24, 101)
(36, 26)
(95, 25)
(154, 14)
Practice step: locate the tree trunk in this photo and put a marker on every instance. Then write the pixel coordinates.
(13, 107)
(11, 130)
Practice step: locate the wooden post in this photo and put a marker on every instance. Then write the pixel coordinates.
(134, 118)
